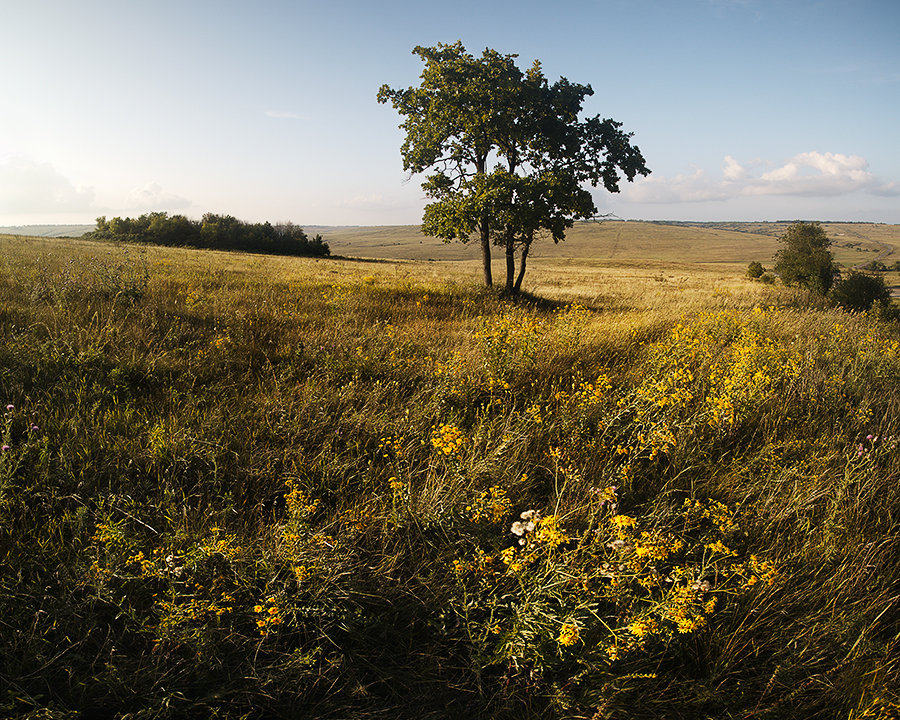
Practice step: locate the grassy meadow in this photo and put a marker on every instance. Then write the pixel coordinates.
(244, 486)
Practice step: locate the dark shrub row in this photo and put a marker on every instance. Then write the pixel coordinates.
(217, 232)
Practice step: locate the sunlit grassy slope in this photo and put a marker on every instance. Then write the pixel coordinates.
(252, 487)
(625, 241)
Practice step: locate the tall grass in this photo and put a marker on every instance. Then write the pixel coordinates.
(246, 487)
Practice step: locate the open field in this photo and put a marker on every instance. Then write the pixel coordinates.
(608, 240)
(247, 486)
(614, 240)
(633, 243)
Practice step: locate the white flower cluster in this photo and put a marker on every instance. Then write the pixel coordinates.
(525, 524)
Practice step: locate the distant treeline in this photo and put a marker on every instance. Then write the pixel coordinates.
(216, 232)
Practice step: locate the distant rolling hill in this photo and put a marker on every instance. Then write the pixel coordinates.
(616, 240)
(47, 230)
(853, 244)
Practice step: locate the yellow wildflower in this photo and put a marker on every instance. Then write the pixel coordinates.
(568, 635)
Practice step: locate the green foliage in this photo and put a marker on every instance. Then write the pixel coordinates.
(805, 259)
(467, 110)
(217, 232)
(755, 270)
(858, 292)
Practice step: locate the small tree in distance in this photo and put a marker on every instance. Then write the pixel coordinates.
(805, 260)
(508, 154)
(755, 270)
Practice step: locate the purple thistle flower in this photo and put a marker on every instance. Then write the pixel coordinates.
(6, 448)
(10, 407)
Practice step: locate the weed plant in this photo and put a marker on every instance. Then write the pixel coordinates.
(234, 487)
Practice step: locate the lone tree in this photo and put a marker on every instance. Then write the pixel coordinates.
(805, 259)
(507, 153)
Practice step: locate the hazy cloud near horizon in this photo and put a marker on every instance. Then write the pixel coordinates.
(29, 186)
(808, 174)
(152, 197)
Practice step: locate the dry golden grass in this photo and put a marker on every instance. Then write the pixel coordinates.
(617, 241)
(246, 486)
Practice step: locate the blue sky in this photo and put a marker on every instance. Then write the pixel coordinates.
(743, 109)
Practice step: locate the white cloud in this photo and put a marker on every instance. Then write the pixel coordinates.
(809, 174)
(152, 197)
(696, 187)
(816, 175)
(733, 171)
(28, 186)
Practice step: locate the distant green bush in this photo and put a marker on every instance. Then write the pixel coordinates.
(755, 270)
(858, 292)
(217, 232)
(767, 278)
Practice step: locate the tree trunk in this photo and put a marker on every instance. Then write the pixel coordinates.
(518, 285)
(486, 250)
(510, 262)
(484, 229)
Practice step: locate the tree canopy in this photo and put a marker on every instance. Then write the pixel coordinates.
(218, 232)
(507, 154)
(804, 258)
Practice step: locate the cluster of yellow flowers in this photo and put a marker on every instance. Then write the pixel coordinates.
(538, 536)
(507, 340)
(192, 296)
(717, 513)
(662, 580)
(268, 616)
(568, 634)
(184, 615)
(335, 295)
(453, 370)
(622, 524)
(719, 547)
(590, 394)
(755, 570)
(535, 413)
(549, 533)
(655, 545)
(299, 504)
(660, 439)
(492, 504)
(447, 439)
(391, 447)
(723, 360)
(147, 567)
(357, 519)
(221, 544)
